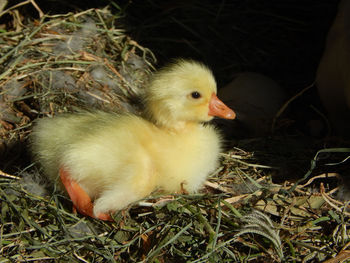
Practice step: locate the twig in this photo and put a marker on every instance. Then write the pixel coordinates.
(325, 175)
(41, 13)
(331, 201)
(341, 257)
(14, 7)
(9, 175)
(216, 186)
(285, 105)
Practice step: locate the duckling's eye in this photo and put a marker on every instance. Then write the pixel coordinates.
(195, 95)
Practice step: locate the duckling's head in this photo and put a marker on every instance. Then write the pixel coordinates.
(184, 92)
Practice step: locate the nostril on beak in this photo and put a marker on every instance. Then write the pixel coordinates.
(219, 109)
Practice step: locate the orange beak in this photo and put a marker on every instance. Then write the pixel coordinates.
(219, 109)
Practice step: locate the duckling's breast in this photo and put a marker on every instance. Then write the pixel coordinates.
(187, 157)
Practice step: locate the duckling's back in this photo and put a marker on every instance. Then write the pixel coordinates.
(52, 137)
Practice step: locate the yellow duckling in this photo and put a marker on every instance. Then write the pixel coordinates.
(116, 159)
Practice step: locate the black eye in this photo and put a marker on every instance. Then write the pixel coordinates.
(195, 95)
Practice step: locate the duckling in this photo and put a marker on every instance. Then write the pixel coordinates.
(107, 160)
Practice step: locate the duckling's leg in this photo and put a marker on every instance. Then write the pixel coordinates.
(117, 198)
(138, 182)
(81, 200)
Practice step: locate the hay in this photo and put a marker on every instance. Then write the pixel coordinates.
(305, 224)
(65, 63)
(51, 66)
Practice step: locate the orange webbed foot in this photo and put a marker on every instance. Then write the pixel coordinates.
(80, 199)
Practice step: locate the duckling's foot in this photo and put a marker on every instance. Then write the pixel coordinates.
(81, 200)
(183, 190)
(104, 217)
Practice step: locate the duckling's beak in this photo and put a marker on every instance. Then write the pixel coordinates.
(219, 109)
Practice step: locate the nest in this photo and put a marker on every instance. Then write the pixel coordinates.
(65, 63)
(78, 61)
(225, 222)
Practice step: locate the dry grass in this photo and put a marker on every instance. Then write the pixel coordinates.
(64, 63)
(218, 225)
